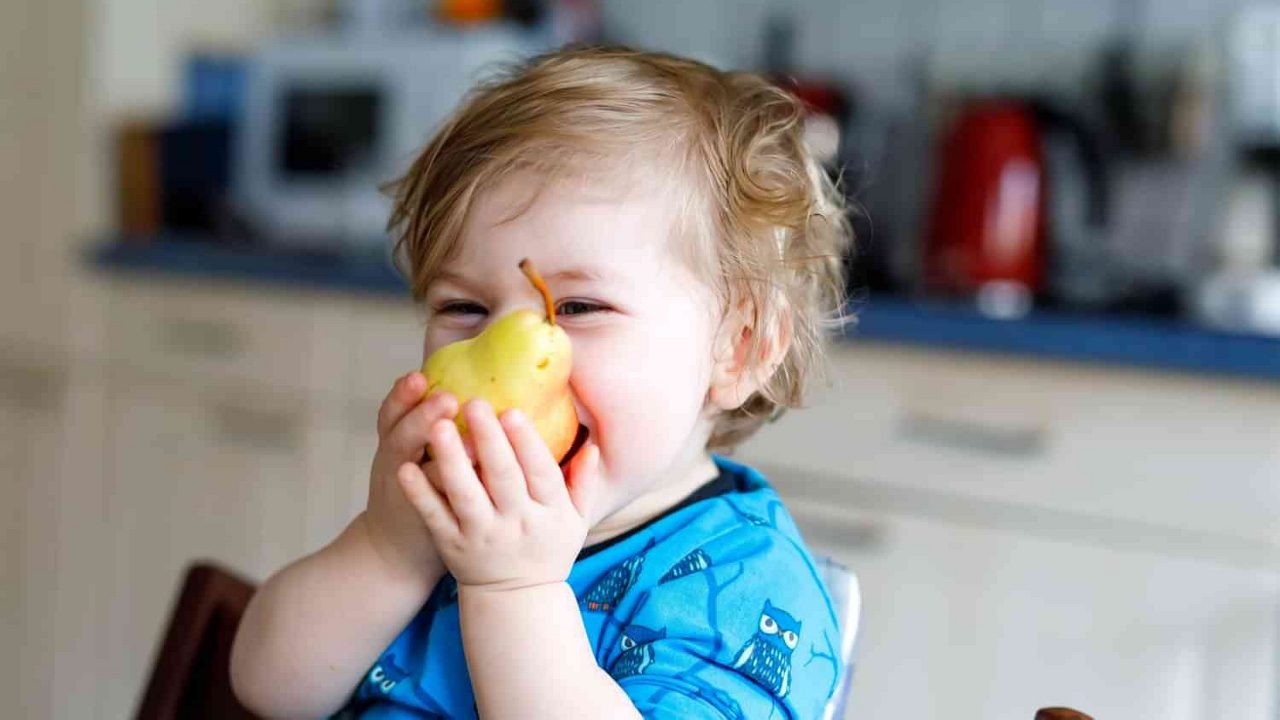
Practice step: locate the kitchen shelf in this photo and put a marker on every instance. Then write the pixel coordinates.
(1133, 341)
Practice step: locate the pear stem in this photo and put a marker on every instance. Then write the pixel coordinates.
(527, 268)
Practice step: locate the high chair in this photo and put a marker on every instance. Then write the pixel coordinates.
(842, 584)
(191, 676)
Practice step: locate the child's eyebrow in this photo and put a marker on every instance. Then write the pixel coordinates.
(579, 274)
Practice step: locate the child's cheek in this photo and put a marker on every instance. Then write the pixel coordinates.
(630, 419)
(601, 388)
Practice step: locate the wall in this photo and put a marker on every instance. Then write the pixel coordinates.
(138, 46)
(873, 40)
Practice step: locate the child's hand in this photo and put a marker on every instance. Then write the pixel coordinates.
(516, 522)
(395, 528)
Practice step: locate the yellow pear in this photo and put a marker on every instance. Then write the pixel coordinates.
(522, 361)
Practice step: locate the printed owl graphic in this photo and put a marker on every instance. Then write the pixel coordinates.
(610, 589)
(385, 675)
(636, 644)
(696, 561)
(766, 657)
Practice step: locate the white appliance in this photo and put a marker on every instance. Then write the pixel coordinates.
(328, 120)
(1253, 46)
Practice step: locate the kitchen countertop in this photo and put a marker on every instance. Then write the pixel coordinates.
(1135, 341)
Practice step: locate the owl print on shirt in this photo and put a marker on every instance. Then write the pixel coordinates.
(636, 645)
(610, 589)
(386, 674)
(696, 561)
(766, 657)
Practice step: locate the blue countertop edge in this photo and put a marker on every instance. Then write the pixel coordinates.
(361, 273)
(1162, 344)
(1153, 343)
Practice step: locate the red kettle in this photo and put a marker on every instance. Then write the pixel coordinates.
(988, 223)
(993, 216)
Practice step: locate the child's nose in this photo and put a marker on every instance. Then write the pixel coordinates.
(533, 304)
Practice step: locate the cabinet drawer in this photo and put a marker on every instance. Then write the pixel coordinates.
(995, 622)
(1173, 451)
(905, 418)
(385, 343)
(223, 333)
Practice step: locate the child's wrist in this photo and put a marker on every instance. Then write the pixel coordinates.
(398, 567)
(507, 589)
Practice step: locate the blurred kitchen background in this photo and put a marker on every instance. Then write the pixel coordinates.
(1051, 448)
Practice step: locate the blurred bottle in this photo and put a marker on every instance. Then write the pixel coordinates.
(467, 12)
(377, 18)
(574, 21)
(829, 104)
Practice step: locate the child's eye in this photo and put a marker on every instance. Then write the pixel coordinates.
(460, 308)
(579, 307)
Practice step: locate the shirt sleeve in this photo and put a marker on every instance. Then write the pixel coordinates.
(739, 627)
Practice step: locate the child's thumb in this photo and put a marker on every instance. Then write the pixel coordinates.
(583, 478)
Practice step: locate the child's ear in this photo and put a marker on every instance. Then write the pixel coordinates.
(733, 377)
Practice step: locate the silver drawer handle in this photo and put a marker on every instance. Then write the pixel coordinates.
(33, 389)
(201, 337)
(1010, 442)
(256, 428)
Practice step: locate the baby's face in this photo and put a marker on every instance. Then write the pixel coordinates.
(641, 323)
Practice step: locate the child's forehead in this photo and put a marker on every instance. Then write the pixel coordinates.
(608, 229)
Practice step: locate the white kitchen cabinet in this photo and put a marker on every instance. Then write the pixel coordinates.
(339, 483)
(1030, 534)
(1186, 457)
(29, 400)
(969, 621)
(385, 342)
(155, 445)
(195, 472)
(228, 333)
(51, 449)
(336, 482)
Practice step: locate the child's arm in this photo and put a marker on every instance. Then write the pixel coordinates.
(510, 540)
(316, 626)
(529, 656)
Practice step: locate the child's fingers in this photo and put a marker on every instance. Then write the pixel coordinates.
(430, 504)
(467, 497)
(542, 475)
(499, 468)
(409, 436)
(405, 393)
(584, 479)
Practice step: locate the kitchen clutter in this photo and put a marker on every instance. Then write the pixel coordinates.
(1148, 187)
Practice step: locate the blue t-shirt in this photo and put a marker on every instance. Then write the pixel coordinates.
(712, 610)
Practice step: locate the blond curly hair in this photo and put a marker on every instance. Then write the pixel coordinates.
(768, 228)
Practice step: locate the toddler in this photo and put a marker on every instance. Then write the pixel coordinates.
(694, 248)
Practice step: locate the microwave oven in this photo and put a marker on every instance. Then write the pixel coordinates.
(328, 120)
